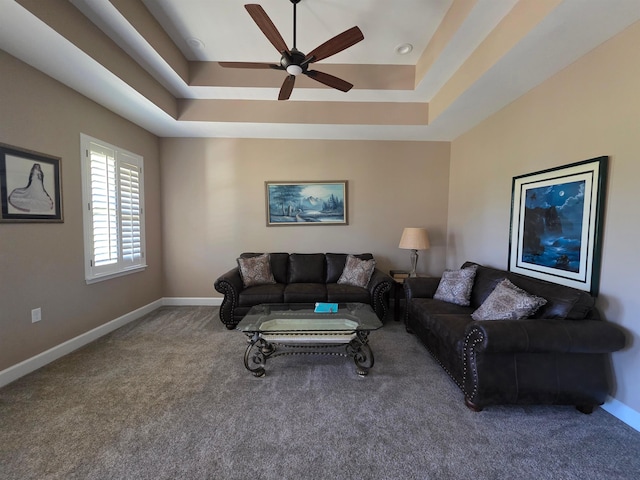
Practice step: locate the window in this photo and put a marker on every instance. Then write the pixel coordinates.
(112, 191)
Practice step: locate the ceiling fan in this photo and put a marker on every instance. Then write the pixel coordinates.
(295, 62)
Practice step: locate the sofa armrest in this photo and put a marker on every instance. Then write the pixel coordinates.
(544, 335)
(378, 278)
(420, 287)
(379, 286)
(230, 285)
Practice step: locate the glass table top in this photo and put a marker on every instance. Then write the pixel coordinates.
(300, 317)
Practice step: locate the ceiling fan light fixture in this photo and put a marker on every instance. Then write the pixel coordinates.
(294, 70)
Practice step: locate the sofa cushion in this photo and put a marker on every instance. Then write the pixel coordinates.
(584, 308)
(336, 262)
(357, 272)
(439, 307)
(455, 286)
(305, 293)
(306, 268)
(256, 270)
(279, 264)
(560, 299)
(562, 302)
(486, 280)
(271, 293)
(508, 302)
(444, 320)
(340, 293)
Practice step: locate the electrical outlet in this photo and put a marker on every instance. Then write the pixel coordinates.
(36, 315)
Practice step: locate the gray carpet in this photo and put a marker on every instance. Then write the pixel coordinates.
(168, 397)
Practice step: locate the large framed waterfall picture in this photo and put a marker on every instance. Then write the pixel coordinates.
(306, 203)
(30, 186)
(556, 224)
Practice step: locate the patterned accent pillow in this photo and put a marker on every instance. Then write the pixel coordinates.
(256, 270)
(357, 272)
(455, 286)
(508, 302)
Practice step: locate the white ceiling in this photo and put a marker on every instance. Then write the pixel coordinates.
(221, 30)
(385, 24)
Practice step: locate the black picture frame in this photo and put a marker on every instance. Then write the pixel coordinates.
(557, 223)
(30, 186)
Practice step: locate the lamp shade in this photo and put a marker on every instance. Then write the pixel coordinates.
(414, 239)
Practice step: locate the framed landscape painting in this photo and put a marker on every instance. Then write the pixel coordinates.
(306, 203)
(556, 224)
(30, 186)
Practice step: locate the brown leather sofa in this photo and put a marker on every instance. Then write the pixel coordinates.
(301, 278)
(560, 355)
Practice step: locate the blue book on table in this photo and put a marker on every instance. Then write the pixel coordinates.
(322, 307)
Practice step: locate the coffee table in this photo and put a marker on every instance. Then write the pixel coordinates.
(295, 329)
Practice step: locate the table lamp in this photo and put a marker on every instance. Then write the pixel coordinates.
(414, 239)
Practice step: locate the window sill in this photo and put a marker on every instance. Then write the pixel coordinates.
(108, 276)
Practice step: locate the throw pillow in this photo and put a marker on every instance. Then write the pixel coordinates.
(357, 272)
(455, 286)
(508, 302)
(256, 270)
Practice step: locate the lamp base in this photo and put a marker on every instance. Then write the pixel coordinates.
(414, 262)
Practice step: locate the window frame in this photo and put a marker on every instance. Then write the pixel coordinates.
(124, 162)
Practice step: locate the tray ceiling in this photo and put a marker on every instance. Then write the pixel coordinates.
(155, 61)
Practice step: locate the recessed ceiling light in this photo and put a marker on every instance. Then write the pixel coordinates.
(404, 49)
(194, 42)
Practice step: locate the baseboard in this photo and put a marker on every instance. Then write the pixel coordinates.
(622, 412)
(31, 364)
(192, 301)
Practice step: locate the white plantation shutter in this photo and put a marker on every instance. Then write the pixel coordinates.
(103, 205)
(130, 213)
(114, 220)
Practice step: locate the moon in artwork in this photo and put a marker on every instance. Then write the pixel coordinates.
(561, 193)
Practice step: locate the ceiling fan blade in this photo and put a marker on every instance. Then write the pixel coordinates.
(266, 25)
(329, 80)
(287, 87)
(336, 44)
(250, 65)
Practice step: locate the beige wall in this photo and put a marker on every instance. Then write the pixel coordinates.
(214, 202)
(213, 198)
(590, 109)
(42, 265)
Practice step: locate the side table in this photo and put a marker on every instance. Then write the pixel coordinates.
(398, 290)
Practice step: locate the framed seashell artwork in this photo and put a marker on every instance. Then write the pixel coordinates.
(30, 186)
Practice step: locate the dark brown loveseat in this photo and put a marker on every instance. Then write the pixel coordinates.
(558, 356)
(301, 278)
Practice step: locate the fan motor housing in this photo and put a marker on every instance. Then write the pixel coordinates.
(295, 59)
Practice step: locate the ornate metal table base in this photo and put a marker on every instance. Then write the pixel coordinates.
(261, 347)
